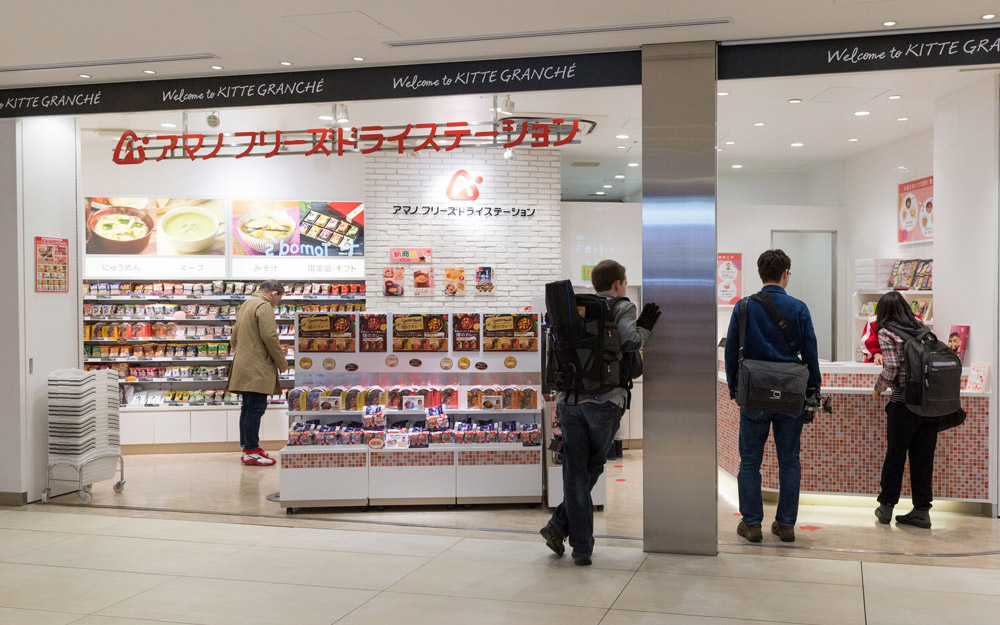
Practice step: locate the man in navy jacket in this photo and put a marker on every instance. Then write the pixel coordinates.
(764, 341)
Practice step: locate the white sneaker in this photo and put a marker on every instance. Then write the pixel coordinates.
(255, 459)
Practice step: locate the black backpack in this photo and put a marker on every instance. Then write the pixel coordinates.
(933, 373)
(584, 346)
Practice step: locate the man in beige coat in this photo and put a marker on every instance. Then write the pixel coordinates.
(257, 359)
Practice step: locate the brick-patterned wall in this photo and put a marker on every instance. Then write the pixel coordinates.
(413, 458)
(496, 457)
(524, 252)
(843, 452)
(350, 460)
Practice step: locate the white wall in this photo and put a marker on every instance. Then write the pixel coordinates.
(594, 231)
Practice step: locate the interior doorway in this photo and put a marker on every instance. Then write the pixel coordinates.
(814, 280)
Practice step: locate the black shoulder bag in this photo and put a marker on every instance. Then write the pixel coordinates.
(766, 385)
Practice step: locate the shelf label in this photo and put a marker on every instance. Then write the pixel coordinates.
(105, 267)
(298, 268)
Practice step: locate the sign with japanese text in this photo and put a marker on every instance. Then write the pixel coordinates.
(510, 333)
(729, 279)
(420, 333)
(466, 332)
(915, 211)
(497, 213)
(398, 255)
(374, 330)
(586, 272)
(485, 279)
(325, 332)
(51, 265)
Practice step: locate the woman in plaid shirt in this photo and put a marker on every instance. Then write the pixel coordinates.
(906, 432)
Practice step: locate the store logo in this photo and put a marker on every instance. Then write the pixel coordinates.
(463, 187)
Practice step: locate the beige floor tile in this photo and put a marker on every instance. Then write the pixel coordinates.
(757, 567)
(55, 522)
(16, 542)
(15, 616)
(622, 617)
(746, 598)
(135, 555)
(935, 578)
(509, 581)
(224, 602)
(192, 531)
(68, 590)
(114, 620)
(896, 606)
(336, 569)
(362, 542)
(391, 607)
(536, 552)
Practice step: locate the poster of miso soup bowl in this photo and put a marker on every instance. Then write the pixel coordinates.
(155, 226)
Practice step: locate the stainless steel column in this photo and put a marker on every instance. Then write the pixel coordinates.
(678, 266)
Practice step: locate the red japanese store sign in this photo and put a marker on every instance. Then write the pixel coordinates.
(133, 149)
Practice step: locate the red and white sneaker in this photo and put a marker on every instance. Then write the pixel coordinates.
(260, 451)
(254, 459)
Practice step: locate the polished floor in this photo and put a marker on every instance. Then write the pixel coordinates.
(97, 567)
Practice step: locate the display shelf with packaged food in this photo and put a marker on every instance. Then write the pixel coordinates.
(907, 276)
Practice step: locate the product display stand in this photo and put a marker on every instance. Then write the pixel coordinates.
(84, 443)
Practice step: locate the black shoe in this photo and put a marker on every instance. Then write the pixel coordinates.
(916, 518)
(785, 532)
(753, 533)
(618, 450)
(884, 513)
(582, 560)
(553, 539)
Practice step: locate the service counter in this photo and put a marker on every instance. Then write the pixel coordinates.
(842, 452)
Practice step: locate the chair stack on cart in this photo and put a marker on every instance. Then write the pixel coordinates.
(84, 439)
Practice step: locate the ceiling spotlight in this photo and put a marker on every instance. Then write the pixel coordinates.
(622, 147)
(723, 93)
(852, 140)
(758, 124)
(621, 136)
(718, 149)
(902, 119)
(895, 97)
(889, 23)
(84, 75)
(730, 143)
(989, 16)
(901, 168)
(286, 63)
(633, 164)
(216, 67)
(862, 113)
(797, 144)
(148, 71)
(795, 101)
(326, 118)
(620, 176)
(168, 125)
(508, 153)
(212, 119)
(607, 186)
(599, 193)
(340, 113)
(506, 107)
(358, 58)
(737, 166)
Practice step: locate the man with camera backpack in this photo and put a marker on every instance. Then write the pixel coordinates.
(772, 369)
(589, 420)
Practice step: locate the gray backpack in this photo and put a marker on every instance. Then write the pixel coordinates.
(767, 385)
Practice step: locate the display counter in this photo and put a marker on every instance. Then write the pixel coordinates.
(842, 452)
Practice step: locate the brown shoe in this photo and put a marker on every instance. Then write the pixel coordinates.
(752, 533)
(785, 532)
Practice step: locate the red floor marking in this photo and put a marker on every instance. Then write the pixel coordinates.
(620, 480)
(811, 528)
(737, 514)
(619, 466)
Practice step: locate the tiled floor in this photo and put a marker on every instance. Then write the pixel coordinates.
(88, 567)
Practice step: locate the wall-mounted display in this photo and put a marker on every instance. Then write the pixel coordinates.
(392, 281)
(466, 332)
(454, 281)
(374, 331)
(510, 333)
(423, 281)
(729, 279)
(485, 279)
(327, 333)
(420, 333)
(51, 265)
(915, 211)
(411, 255)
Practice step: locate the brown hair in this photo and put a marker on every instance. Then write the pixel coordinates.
(271, 286)
(605, 274)
(772, 264)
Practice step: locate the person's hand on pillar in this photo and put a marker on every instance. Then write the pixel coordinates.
(649, 316)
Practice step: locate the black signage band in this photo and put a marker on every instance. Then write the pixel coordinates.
(612, 69)
(860, 54)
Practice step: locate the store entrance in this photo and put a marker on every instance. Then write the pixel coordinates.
(871, 184)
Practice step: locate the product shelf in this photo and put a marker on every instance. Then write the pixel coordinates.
(142, 360)
(188, 407)
(172, 319)
(407, 413)
(913, 292)
(302, 449)
(184, 380)
(224, 339)
(216, 298)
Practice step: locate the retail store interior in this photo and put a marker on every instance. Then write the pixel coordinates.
(810, 164)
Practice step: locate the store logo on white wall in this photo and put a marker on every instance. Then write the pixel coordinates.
(463, 187)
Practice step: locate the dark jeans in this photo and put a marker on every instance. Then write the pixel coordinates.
(908, 432)
(754, 428)
(588, 430)
(253, 408)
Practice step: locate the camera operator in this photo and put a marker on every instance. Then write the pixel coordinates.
(778, 329)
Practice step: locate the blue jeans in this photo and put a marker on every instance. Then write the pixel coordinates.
(588, 430)
(252, 409)
(754, 427)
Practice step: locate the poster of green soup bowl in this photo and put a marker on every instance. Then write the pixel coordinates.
(192, 229)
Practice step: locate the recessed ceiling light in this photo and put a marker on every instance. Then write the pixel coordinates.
(730, 143)
(862, 113)
(718, 149)
(326, 118)
(723, 93)
(286, 63)
(758, 124)
(633, 164)
(599, 193)
(889, 23)
(902, 119)
(84, 75)
(148, 71)
(797, 144)
(895, 97)
(622, 147)
(621, 136)
(620, 176)
(216, 67)
(901, 168)
(737, 166)
(852, 140)
(795, 101)
(358, 58)
(607, 186)
(989, 16)
(168, 125)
